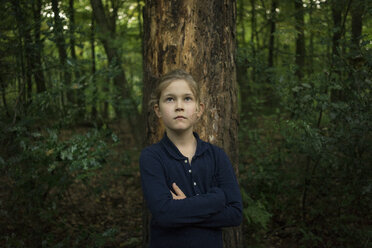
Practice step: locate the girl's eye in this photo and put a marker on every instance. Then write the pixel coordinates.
(169, 99)
(188, 98)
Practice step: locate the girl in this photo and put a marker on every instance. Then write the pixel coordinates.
(189, 185)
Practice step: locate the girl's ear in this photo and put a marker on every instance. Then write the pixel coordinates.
(157, 110)
(200, 110)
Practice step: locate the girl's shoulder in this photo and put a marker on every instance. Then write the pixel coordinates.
(215, 149)
(154, 148)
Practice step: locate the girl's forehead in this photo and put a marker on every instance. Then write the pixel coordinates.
(177, 86)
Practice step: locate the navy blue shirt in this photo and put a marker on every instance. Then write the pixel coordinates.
(210, 185)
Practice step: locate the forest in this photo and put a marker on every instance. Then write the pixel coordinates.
(287, 86)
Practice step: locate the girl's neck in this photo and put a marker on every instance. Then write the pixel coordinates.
(183, 139)
(185, 142)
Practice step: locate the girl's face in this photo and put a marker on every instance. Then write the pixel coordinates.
(178, 107)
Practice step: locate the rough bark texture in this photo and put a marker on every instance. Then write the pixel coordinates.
(198, 36)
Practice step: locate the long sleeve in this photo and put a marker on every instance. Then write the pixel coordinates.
(226, 180)
(166, 211)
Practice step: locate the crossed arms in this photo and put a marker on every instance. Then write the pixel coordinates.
(219, 207)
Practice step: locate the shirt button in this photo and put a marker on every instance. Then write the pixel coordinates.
(194, 183)
(185, 161)
(189, 171)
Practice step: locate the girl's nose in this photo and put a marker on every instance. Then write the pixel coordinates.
(179, 105)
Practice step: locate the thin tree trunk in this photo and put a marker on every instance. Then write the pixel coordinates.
(61, 45)
(93, 70)
(78, 93)
(338, 27)
(253, 36)
(200, 40)
(72, 31)
(106, 27)
(274, 5)
(21, 72)
(311, 38)
(24, 31)
(241, 21)
(107, 36)
(357, 12)
(39, 75)
(242, 63)
(337, 21)
(300, 40)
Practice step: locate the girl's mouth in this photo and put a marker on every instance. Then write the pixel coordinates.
(180, 117)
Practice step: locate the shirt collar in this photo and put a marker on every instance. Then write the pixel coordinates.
(175, 153)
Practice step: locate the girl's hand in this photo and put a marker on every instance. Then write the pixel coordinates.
(179, 194)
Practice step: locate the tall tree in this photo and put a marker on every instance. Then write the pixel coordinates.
(186, 34)
(39, 75)
(339, 28)
(93, 70)
(106, 26)
(25, 50)
(272, 21)
(61, 45)
(357, 11)
(253, 36)
(300, 39)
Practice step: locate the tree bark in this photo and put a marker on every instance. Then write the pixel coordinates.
(253, 37)
(106, 26)
(25, 41)
(39, 75)
(274, 5)
(311, 39)
(107, 35)
(300, 39)
(61, 45)
(200, 40)
(357, 12)
(337, 26)
(93, 70)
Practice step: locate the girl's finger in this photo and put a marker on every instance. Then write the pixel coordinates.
(178, 191)
(173, 195)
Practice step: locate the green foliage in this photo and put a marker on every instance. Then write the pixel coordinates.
(40, 167)
(306, 162)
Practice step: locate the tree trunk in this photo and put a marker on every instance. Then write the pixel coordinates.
(357, 12)
(337, 26)
(200, 40)
(93, 70)
(24, 31)
(78, 92)
(61, 45)
(39, 75)
(242, 62)
(311, 38)
(300, 39)
(272, 32)
(107, 35)
(253, 36)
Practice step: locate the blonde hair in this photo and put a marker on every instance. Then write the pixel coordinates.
(170, 77)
